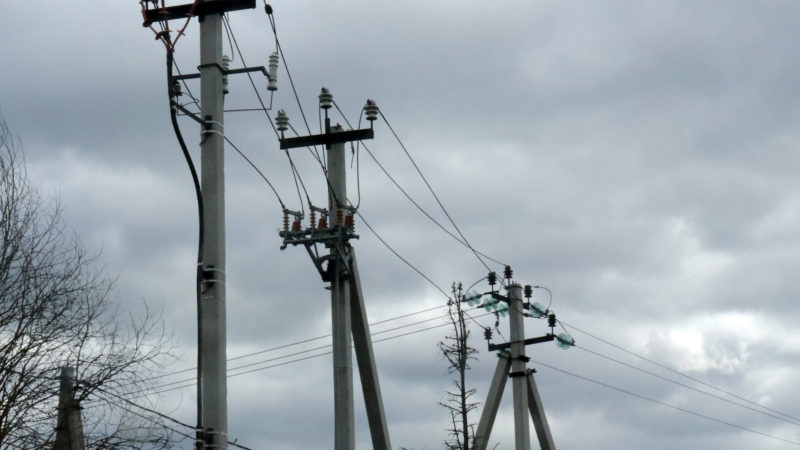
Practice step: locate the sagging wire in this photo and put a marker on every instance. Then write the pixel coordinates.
(430, 188)
(271, 19)
(414, 202)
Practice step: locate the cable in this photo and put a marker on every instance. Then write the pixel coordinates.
(401, 258)
(408, 196)
(631, 366)
(264, 177)
(299, 359)
(200, 216)
(162, 415)
(677, 372)
(678, 408)
(314, 153)
(434, 193)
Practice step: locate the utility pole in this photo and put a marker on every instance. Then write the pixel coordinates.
(69, 430)
(522, 436)
(512, 363)
(340, 306)
(339, 267)
(212, 386)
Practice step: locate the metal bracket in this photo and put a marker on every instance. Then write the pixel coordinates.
(522, 373)
(537, 340)
(190, 76)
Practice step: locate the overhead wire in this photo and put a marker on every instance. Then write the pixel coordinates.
(159, 414)
(414, 202)
(191, 381)
(668, 405)
(684, 385)
(430, 188)
(677, 372)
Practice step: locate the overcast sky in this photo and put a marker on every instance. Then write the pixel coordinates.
(637, 158)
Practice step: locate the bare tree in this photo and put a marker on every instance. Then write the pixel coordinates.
(56, 311)
(457, 351)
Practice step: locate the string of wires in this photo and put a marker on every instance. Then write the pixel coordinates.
(129, 402)
(232, 371)
(668, 405)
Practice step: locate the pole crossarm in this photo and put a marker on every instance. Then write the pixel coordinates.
(189, 76)
(327, 138)
(537, 340)
(199, 9)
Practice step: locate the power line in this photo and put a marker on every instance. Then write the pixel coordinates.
(160, 414)
(668, 405)
(414, 268)
(191, 381)
(414, 163)
(677, 372)
(718, 397)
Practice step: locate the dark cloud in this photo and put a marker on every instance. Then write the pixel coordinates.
(638, 159)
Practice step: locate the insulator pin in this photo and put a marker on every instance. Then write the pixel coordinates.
(273, 72)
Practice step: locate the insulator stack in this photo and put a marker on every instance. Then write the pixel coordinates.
(528, 291)
(371, 110)
(296, 225)
(272, 85)
(285, 222)
(323, 222)
(492, 278)
(339, 217)
(282, 120)
(313, 219)
(176, 89)
(487, 333)
(226, 64)
(508, 273)
(325, 99)
(348, 221)
(551, 320)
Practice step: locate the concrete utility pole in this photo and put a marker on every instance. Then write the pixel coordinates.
(211, 379)
(339, 267)
(340, 307)
(522, 436)
(512, 364)
(69, 430)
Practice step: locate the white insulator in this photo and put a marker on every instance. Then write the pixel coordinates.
(282, 120)
(226, 64)
(325, 99)
(273, 72)
(371, 110)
